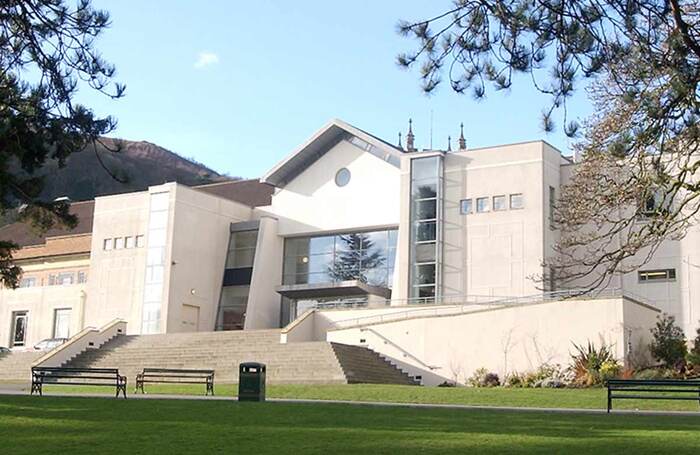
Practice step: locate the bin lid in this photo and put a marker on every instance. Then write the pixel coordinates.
(252, 365)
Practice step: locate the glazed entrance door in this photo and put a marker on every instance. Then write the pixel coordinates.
(19, 329)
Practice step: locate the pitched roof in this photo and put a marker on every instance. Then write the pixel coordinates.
(249, 192)
(23, 234)
(322, 141)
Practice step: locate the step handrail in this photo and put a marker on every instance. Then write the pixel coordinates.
(80, 342)
(402, 350)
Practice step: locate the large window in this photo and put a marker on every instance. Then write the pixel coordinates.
(238, 273)
(425, 225)
(364, 256)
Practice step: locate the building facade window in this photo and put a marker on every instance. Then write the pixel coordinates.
(499, 203)
(465, 206)
(342, 177)
(119, 243)
(140, 242)
(552, 205)
(233, 301)
(107, 244)
(155, 262)
(128, 242)
(517, 201)
(61, 323)
(659, 275)
(482, 205)
(426, 228)
(363, 256)
(28, 282)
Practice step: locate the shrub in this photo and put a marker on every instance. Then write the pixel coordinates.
(694, 354)
(609, 370)
(668, 345)
(514, 380)
(654, 373)
(483, 378)
(591, 366)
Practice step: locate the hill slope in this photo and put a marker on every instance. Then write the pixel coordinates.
(142, 163)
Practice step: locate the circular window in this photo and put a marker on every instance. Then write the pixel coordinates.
(342, 177)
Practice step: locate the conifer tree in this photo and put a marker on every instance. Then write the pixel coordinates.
(47, 53)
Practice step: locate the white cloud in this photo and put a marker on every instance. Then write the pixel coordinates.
(206, 59)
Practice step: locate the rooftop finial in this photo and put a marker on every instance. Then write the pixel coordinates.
(410, 137)
(400, 145)
(449, 143)
(462, 141)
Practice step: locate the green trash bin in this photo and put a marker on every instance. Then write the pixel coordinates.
(251, 381)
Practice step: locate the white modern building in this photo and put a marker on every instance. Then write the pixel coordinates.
(345, 232)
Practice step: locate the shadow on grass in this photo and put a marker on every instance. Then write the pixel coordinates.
(82, 425)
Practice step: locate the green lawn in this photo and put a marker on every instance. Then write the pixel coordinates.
(56, 425)
(544, 398)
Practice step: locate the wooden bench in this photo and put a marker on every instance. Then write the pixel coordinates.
(653, 389)
(77, 376)
(175, 376)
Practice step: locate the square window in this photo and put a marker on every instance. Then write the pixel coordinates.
(139, 241)
(465, 206)
(499, 203)
(516, 201)
(128, 242)
(107, 244)
(426, 210)
(119, 243)
(482, 205)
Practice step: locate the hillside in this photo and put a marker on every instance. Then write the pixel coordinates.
(142, 164)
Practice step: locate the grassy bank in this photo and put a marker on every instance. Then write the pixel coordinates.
(30, 425)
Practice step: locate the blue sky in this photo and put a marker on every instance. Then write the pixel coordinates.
(239, 85)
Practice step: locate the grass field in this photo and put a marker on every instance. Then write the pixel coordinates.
(541, 398)
(32, 425)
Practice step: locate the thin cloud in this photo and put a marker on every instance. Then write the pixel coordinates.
(206, 59)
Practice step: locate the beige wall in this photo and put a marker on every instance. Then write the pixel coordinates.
(313, 203)
(502, 340)
(494, 253)
(116, 277)
(263, 310)
(40, 303)
(200, 231)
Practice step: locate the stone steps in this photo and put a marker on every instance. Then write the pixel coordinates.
(16, 366)
(314, 362)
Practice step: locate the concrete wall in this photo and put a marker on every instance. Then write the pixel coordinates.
(40, 303)
(494, 253)
(503, 340)
(313, 203)
(263, 310)
(200, 232)
(116, 277)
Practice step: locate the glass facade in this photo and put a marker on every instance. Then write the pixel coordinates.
(235, 288)
(426, 213)
(155, 262)
(364, 256)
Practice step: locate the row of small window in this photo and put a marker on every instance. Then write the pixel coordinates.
(120, 243)
(500, 203)
(55, 279)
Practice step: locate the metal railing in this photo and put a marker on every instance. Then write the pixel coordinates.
(456, 305)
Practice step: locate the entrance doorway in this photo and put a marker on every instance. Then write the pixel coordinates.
(190, 318)
(18, 334)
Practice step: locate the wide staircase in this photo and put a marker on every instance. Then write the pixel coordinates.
(305, 362)
(17, 366)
